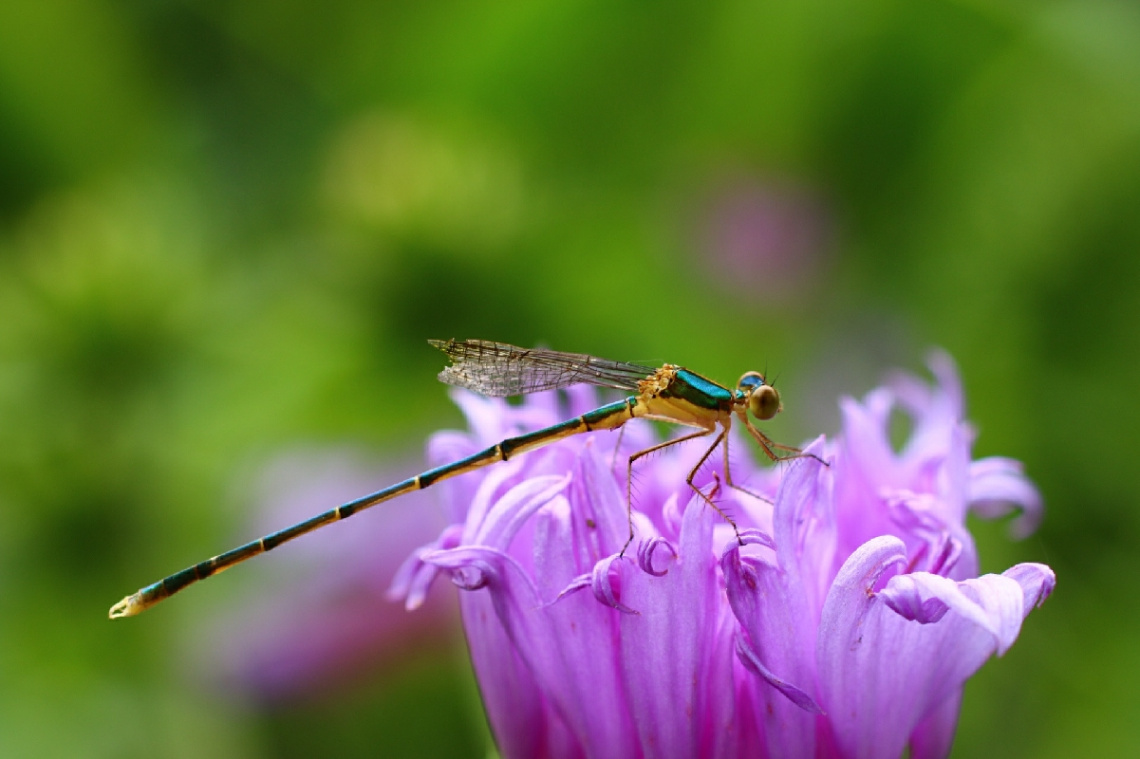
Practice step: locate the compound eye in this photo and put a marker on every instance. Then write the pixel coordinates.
(764, 402)
(750, 381)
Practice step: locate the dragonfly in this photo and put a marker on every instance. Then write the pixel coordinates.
(668, 393)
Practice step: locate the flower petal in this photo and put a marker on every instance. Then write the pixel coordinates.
(925, 598)
(570, 645)
(754, 665)
(414, 576)
(497, 525)
(804, 523)
(998, 486)
(600, 512)
(934, 735)
(606, 581)
(936, 409)
(1037, 582)
(776, 623)
(646, 551)
(857, 702)
(863, 468)
(521, 717)
(888, 659)
(562, 646)
(665, 649)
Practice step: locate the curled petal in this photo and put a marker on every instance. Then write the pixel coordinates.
(995, 603)
(466, 573)
(752, 662)
(887, 660)
(414, 577)
(748, 537)
(998, 486)
(402, 580)
(578, 583)
(903, 594)
(645, 552)
(472, 567)
(418, 587)
(471, 577)
(1037, 582)
(779, 648)
(553, 537)
(863, 569)
(606, 583)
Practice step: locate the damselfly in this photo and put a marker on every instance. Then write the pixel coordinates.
(669, 394)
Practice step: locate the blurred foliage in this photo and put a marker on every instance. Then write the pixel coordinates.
(226, 227)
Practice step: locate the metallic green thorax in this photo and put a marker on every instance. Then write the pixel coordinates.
(698, 391)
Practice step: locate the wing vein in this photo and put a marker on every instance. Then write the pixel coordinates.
(499, 370)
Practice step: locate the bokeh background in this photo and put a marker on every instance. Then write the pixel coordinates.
(227, 229)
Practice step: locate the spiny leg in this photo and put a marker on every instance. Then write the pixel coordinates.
(617, 447)
(693, 473)
(768, 445)
(733, 485)
(629, 475)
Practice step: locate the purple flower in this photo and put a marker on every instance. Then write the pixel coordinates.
(845, 626)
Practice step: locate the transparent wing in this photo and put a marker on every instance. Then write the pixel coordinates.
(498, 370)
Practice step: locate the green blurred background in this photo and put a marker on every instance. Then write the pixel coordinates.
(227, 228)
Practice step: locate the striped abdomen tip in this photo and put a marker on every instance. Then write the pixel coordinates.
(128, 607)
